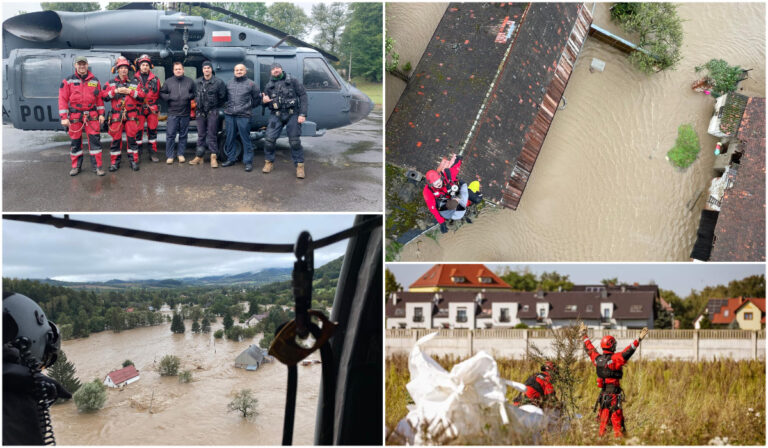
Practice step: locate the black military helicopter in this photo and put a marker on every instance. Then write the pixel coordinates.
(39, 49)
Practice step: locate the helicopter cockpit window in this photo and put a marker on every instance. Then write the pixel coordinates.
(41, 77)
(317, 75)
(190, 72)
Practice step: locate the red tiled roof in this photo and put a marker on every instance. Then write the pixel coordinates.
(124, 374)
(727, 313)
(441, 276)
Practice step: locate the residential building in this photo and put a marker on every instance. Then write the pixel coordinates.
(458, 277)
(738, 312)
(506, 309)
(252, 358)
(122, 377)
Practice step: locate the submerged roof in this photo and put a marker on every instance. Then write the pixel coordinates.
(124, 374)
(740, 230)
(445, 102)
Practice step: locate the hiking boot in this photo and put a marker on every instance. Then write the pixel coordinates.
(134, 165)
(112, 168)
(227, 163)
(74, 171)
(467, 220)
(300, 170)
(214, 162)
(248, 168)
(154, 158)
(99, 171)
(182, 159)
(267, 167)
(196, 161)
(169, 161)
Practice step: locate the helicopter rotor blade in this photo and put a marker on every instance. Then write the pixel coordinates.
(264, 27)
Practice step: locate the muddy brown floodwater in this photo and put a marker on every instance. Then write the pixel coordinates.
(181, 414)
(601, 188)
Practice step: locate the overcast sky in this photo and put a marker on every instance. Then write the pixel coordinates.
(43, 251)
(679, 277)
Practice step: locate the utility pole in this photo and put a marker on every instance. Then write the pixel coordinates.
(349, 73)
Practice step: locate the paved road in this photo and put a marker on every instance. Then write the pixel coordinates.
(343, 169)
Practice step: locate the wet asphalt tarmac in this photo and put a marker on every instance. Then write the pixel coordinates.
(343, 173)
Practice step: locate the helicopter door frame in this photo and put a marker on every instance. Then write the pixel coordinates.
(337, 100)
(30, 112)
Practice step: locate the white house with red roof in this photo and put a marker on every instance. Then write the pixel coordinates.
(122, 377)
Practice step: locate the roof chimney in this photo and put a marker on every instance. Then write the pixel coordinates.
(540, 294)
(637, 284)
(479, 298)
(436, 298)
(394, 298)
(603, 293)
(624, 287)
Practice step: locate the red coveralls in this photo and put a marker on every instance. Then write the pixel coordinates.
(149, 109)
(611, 394)
(538, 390)
(431, 194)
(124, 115)
(80, 102)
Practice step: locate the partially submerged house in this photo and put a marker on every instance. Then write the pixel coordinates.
(489, 82)
(732, 225)
(252, 358)
(122, 377)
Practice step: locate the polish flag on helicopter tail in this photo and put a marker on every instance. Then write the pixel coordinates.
(221, 36)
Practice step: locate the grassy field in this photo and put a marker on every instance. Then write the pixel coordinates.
(667, 402)
(375, 91)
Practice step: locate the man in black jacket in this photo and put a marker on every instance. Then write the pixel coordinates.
(242, 96)
(210, 94)
(287, 101)
(178, 93)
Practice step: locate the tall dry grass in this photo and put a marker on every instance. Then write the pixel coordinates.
(667, 402)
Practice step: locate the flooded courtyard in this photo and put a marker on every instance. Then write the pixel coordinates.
(601, 188)
(161, 411)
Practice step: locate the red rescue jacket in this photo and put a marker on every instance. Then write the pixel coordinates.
(122, 101)
(431, 194)
(151, 88)
(80, 94)
(612, 365)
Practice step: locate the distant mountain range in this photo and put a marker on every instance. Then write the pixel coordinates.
(265, 276)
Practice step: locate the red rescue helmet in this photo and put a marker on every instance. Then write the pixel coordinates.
(608, 343)
(121, 61)
(432, 176)
(549, 366)
(144, 58)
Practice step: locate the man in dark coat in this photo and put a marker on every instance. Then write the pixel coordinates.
(178, 93)
(242, 96)
(210, 94)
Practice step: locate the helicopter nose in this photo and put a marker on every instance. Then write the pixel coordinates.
(359, 106)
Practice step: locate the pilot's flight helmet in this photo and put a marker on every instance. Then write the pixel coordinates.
(144, 58)
(26, 327)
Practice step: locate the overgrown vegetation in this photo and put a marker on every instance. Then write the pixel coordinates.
(686, 148)
(659, 31)
(667, 402)
(169, 365)
(525, 280)
(185, 376)
(244, 403)
(90, 396)
(722, 78)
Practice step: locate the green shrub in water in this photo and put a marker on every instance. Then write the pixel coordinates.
(686, 148)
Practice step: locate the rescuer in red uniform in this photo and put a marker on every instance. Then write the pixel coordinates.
(446, 196)
(81, 107)
(538, 388)
(149, 84)
(609, 372)
(126, 100)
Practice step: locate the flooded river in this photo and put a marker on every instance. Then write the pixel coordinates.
(601, 188)
(181, 414)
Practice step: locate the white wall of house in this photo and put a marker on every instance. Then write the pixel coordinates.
(484, 322)
(108, 381)
(542, 309)
(453, 311)
(439, 322)
(426, 314)
(511, 312)
(396, 322)
(606, 309)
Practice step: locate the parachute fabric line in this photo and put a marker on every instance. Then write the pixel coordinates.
(66, 222)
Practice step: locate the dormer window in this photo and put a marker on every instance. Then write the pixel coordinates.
(458, 279)
(589, 308)
(525, 307)
(570, 308)
(725, 313)
(606, 313)
(485, 279)
(636, 309)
